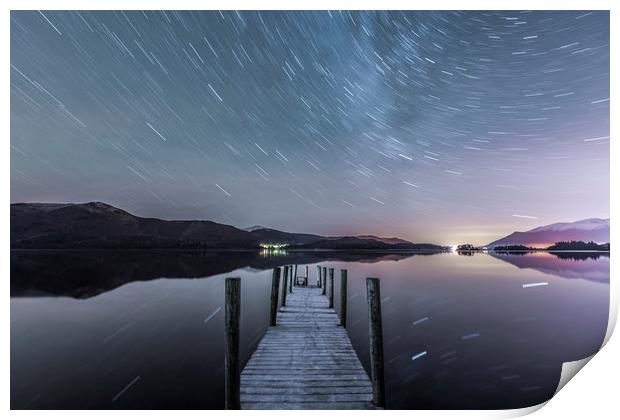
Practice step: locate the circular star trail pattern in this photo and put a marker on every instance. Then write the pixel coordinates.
(433, 126)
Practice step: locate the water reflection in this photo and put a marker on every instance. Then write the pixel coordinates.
(593, 266)
(269, 252)
(147, 328)
(464, 332)
(83, 274)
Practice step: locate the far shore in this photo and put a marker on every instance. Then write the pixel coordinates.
(302, 250)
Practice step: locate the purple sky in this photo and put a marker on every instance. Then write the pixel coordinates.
(443, 127)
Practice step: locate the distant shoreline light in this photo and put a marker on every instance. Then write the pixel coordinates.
(268, 245)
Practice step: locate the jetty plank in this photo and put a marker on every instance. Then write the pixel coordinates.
(306, 361)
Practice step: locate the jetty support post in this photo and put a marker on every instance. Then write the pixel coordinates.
(232, 377)
(324, 285)
(318, 275)
(275, 286)
(343, 298)
(306, 281)
(294, 280)
(331, 287)
(285, 284)
(375, 330)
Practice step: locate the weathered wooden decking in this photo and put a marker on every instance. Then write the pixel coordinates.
(306, 361)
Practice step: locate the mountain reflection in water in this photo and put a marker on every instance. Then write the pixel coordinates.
(125, 330)
(593, 266)
(82, 274)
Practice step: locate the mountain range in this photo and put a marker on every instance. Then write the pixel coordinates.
(98, 225)
(595, 230)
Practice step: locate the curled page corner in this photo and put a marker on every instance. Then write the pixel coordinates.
(520, 412)
(570, 369)
(614, 294)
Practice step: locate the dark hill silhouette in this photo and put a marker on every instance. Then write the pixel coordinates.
(98, 225)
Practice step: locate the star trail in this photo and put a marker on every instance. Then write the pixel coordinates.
(440, 127)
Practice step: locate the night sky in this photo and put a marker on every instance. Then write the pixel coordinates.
(443, 127)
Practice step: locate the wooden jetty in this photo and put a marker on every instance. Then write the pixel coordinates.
(305, 361)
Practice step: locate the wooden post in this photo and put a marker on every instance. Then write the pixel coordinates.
(343, 298)
(306, 281)
(232, 376)
(318, 275)
(331, 287)
(375, 331)
(290, 286)
(285, 285)
(324, 277)
(275, 285)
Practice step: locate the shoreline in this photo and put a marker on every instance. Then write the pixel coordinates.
(299, 250)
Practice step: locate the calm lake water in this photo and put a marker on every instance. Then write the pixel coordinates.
(138, 330)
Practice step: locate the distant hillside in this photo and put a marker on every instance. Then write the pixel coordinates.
(595, 230)
(391, 241)
(253, 228)
(98, 225)
(276, 235)
(272, 235)
(356, 242)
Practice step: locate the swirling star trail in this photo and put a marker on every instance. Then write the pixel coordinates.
(432, 126)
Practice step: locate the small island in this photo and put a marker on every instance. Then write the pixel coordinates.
(513, 248)
(558, 246)
(578, 246)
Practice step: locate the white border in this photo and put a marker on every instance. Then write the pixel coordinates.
(594, 394)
